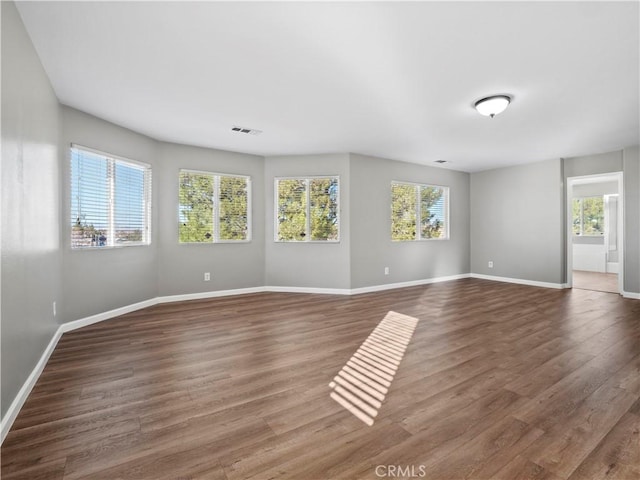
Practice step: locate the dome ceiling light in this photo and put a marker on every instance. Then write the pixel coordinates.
(493, 105)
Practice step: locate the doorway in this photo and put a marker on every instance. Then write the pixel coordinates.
(595, 232)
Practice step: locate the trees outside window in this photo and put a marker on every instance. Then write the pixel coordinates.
(588, 216)
(428, 203)
(213, 208)
(307, 209)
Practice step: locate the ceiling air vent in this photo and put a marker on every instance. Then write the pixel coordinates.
(439, 161)
(250, 131)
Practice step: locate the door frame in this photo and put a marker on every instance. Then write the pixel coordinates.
(571, 182)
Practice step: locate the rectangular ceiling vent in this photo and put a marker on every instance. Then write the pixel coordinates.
(250, 131)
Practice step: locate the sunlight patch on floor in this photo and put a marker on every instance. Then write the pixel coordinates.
(362, 384)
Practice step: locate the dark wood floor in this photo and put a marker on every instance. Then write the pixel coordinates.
(498, 381)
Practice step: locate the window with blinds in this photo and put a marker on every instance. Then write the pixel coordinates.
(307, 209)
(213, 207)
(110, 200)
(419, 212)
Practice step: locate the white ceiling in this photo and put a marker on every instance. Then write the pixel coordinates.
(395, 80)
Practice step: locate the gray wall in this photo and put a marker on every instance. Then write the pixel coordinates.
(308, 264)
(516, 222)
(96, 281)
(30, 207)
(181, 267)
(593, 164)
(99, 280)
(625, 161)
(371, 245)
(631, 168)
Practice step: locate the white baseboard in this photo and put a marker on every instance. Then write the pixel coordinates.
(360, 290)
(631, 295)
(204, 295)
(100, 317)
(321, 291)
(532, 283)
(412, 283)
(23, 394)
(13, 410)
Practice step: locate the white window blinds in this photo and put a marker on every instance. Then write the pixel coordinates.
(110, 200)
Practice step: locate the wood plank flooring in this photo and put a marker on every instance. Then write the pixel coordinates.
(499, 381)
(601, 282)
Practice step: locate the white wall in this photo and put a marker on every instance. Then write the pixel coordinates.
(589, 257)
(31, 261)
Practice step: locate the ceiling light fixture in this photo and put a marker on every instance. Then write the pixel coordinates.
(493, 105)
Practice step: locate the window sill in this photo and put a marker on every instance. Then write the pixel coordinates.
(108, 247)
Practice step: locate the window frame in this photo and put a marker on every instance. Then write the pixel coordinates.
(307, 240)
(147, 199)
(216, 206)
(447, 211)
(581, 202)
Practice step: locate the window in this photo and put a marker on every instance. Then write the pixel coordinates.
(110, 200)
(307, 209)
(588, 216)
(428, 203)
(213, 208)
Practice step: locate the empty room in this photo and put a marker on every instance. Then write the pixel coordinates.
(320, 240)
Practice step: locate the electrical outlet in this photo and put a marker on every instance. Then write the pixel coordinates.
(54, 309)
(386, 270)
(490, 264)
(207, 276)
